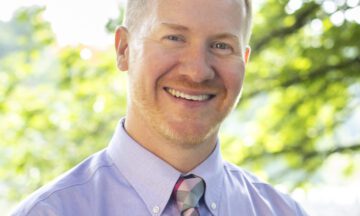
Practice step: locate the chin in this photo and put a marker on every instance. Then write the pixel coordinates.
(190, 134)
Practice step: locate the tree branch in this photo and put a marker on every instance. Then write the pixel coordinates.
(301, 17)
(306, 155)
(310, 76)
(320, 72)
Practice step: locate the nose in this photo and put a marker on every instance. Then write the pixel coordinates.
(196, 66)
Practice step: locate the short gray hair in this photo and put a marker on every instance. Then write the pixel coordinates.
(248, 19)
(134, 13)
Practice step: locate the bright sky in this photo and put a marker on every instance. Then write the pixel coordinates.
(83, 21)
(80, 21)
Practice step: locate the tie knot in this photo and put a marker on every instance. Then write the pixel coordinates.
(188, 191)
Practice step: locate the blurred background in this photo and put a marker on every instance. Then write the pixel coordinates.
(297, 125)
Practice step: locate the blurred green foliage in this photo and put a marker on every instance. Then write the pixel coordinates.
(302, 86)
(56, 107)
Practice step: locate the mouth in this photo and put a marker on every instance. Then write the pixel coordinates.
(190, 97)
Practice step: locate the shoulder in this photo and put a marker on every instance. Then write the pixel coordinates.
(48, 199)
(261, 195)
(237, 173)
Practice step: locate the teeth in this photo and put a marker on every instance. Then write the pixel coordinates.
(179, 94)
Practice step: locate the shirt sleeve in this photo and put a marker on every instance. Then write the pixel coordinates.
(40, 209)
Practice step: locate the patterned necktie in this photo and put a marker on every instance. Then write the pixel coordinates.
(187, 192)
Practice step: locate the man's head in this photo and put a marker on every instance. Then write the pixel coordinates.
(185, 61)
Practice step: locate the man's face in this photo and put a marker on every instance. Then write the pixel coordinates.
(185, 65)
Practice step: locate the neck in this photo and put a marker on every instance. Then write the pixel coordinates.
(183, 157)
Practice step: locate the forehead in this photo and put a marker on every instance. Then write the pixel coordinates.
(204, 15)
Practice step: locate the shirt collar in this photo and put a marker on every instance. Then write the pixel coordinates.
(153, 178)
(211, 170)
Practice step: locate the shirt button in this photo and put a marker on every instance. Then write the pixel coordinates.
(213, 205)
(156, 209)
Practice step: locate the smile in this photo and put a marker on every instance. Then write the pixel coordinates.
(179, 94)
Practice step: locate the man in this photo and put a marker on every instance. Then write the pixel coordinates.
(185, 61)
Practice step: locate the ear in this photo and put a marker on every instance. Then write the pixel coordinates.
(247, 54)
(122, 48)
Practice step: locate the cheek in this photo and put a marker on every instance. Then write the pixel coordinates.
(148, 65)
(233, 76)
(158, 60)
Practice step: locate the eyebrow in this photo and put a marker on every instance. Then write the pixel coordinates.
(175, 26)
(226, 35)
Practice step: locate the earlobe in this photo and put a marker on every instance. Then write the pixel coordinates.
(247, 54)
(121, 47)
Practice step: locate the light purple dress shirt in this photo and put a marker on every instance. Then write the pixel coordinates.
(125, 179)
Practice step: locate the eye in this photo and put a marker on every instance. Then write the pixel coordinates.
(221, 48)
(219, 45)
(174, 38)
(173, 41)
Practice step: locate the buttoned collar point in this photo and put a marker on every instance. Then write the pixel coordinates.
(212, 172)
(152, 178)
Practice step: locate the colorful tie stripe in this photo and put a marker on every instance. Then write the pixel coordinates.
(187, 193)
